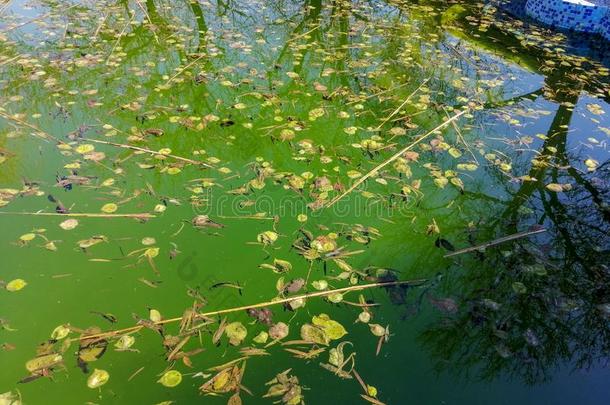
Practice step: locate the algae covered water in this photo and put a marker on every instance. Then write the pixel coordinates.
(301, 202)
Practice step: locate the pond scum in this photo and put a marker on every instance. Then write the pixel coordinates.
(348, 120)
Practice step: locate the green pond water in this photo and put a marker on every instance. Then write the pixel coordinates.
(260, 115)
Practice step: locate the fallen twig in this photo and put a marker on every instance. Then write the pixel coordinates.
(35, 128)
(184, 69)
(403, 104)
(496, 242)
(245, 217)
(303, 34)
(132, 329)
(137, 148)
(83, 215)
(394, 157)
(40, 17)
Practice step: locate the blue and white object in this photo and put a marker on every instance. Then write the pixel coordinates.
(590, 16)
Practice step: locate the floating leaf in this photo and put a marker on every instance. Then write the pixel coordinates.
(60, 332)
(314, 334)
(595, 109)
(110, 208)
(278, 331)
(455, 152)
(364, 317)
(154, 315)
(236, 332)
(335, 298)
(43, 362)
(125, 342)
(90, 354)
(87, 243)
(282, 266)
(170, 378)
(84, 148)
(333, 329)
(261, 338)
(15, 285)
(69, 224)
(151, 252)
(267, 237)
(148, 241)
(591, 164)
(555, 187)
(377, 329)
(27, 237)
(98, 378)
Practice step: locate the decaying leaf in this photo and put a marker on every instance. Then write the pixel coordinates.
(98, 378)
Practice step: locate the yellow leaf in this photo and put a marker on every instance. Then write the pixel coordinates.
(27, 237)
(109, 208)
(455, 152)
(332, 329)
(60, 332)
(171, 378)
(15, 285)
(236, 332)
(151, 252)
(84, 148)
(154, 315)
(69, 224)
(97, 378)
(441, 182)
(555, 187)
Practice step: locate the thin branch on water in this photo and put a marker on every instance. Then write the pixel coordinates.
(171, 79)
(496, 242)
(40, 17)
(14, 58)
(402, 105)
(303, 34)
(394, 157)
(461, 137)
(83, 215)
(137, 148)
(245, 217)
(132, 329)
(377, 94)
(28, 125)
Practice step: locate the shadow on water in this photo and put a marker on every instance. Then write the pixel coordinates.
(529, 307)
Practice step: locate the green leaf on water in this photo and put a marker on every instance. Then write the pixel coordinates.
(236, 332)
(15, 285)
(170, 378)
(98, 378)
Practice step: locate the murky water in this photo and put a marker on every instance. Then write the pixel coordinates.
(261, 115)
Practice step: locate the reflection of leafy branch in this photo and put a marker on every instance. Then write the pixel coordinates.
(523, 311)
